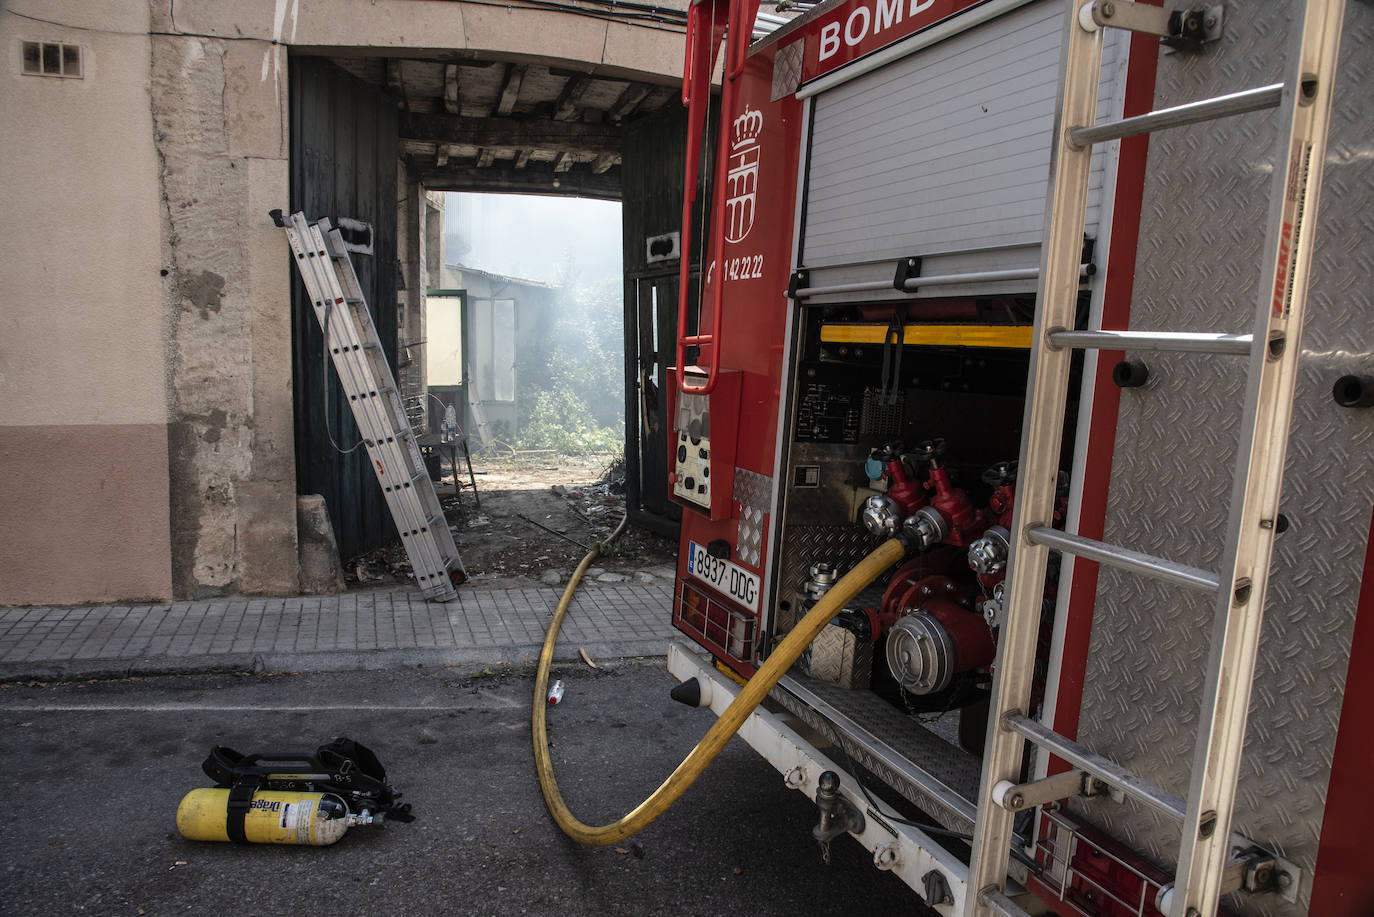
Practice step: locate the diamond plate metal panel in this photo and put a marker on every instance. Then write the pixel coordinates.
(753, 492)
(934, 774)
(1199, 261)
(787, 70)
(836, 657)
(842, 546)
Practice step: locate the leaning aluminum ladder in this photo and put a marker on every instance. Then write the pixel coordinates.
(352, 341)
(1273, 349)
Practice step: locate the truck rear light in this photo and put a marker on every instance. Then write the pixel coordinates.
(692, 610)
(716, 625)
(1087, 872)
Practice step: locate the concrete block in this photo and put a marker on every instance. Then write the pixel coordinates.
(321, 569)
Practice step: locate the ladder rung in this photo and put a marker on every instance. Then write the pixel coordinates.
(1001, 904)
(1104, 769)
(1237, 103)
(1178, 341)
(1124, 558)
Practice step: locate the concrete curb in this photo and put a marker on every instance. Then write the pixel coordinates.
(323, 661)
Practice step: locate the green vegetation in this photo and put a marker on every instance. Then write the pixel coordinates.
(561, 421)
(572, 400)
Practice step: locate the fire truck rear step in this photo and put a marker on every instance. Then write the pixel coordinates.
(905, 850)
(928, 770)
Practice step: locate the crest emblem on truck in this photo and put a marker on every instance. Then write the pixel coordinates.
(741, 180)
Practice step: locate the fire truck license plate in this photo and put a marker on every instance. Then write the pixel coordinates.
(731, 579)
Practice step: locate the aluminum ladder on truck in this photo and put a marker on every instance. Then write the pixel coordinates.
(351, 339)
(1273, 349)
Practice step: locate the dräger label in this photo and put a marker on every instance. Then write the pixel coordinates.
(731, 579)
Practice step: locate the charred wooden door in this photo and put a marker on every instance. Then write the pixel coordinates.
(652, 170)
(654, 337)
(343, 166)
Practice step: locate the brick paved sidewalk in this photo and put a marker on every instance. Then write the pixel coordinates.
(358, 630)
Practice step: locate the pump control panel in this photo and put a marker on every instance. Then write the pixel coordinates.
(702, 453)
(692, 469)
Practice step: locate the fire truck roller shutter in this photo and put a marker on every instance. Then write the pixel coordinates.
(944, 154)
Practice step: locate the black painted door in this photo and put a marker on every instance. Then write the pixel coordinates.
(343, 166)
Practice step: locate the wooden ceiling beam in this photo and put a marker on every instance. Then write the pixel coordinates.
(510, 89)
(396, 80)
(629, 100)
(570, 97)
(451, 88)
(508, 133)
(538, 178)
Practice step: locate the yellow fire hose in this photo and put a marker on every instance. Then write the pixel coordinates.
(754, 691)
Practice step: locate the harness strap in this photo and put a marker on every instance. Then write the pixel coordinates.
(240, 801)
(221, 765)
(343, 767)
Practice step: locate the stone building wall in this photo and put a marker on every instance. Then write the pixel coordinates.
(146, 422)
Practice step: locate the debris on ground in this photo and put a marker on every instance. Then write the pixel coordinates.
(538, 517)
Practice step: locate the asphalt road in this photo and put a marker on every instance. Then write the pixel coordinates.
(95, 770)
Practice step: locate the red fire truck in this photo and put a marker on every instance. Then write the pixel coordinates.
(1122, 730)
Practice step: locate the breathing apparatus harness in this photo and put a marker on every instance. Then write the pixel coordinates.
(343, 768)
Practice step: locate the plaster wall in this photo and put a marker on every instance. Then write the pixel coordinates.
(83, 408)
(146, 428)
(219, 113)
(442, 25)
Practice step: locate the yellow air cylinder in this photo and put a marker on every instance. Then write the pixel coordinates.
(274, 817)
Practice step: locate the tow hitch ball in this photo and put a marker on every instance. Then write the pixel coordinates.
(838, 814)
